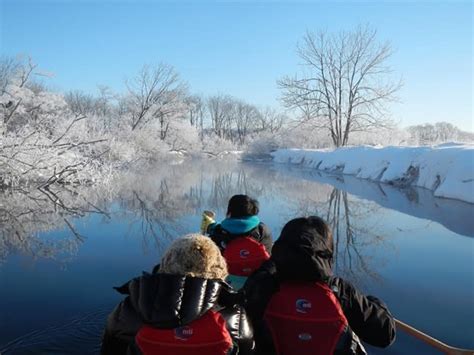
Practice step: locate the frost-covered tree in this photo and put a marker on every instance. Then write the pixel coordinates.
(440, 132)
(152, 117)
(183, 137)
(80, 103)
(155, 94)
(196, 112)
(270, 120)
(345, 83)
(246, 118)
(42, 141)
(220, 110)
(236, 120)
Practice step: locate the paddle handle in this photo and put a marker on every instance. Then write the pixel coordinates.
(207, 219)
(450, 350)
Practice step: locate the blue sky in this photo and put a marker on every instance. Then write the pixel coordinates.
(242, 48)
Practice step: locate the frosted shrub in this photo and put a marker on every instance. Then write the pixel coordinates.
(214, 145)
(263, 143)
(183, 137)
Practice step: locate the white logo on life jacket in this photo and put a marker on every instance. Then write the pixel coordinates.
(244, 253)
(183, 333)
(302, 305)
(304, 336)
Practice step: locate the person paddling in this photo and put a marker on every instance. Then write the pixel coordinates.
(244, 241)
(184, 307)
(297, 306)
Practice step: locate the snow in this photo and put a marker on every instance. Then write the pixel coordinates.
(447, 169)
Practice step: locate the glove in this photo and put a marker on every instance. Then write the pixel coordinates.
(207, 220)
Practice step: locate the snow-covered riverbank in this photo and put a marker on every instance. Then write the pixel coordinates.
(447, 170)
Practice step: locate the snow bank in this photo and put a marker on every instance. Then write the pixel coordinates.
(447, 170)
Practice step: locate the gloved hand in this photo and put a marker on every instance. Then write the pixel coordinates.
(207, 220)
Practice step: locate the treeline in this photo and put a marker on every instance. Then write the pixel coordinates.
(440, 132)
(75, 137)
(158, 100)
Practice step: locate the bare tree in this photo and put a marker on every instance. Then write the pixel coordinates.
(271, 120)
(220, 108)
(440, 132)
(155, 94)
(233, 119)
(80, 103)
(196, 112)
(346, 84)
(246, 119)
(8, 68)
(14, 71)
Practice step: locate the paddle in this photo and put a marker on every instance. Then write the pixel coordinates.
(432, 341)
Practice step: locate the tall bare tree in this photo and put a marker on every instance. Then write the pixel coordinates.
(155, 94)
(271, 120)
(196, 111)
(346, 83)
(220, 108)
(246, 118)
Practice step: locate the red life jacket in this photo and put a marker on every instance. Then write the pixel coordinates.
(305, 319)
(206, 335)
(244, 255)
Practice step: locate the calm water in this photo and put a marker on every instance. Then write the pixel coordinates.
(62, 251)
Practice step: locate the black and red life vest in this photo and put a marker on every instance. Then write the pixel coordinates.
(244, 255)
(305, 319)
(206, 335)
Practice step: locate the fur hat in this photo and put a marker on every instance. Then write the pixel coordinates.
(194, 255)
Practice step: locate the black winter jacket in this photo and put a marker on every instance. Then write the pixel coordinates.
(261, 234)
(170, 301)
(310, 260)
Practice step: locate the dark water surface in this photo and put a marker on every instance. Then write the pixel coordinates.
(61, 251)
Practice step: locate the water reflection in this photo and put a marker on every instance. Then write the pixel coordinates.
(42, 223)
(359, 241)
(155, 203)
(27, 215)
(149, 209)
(354, 241)
(418, 202)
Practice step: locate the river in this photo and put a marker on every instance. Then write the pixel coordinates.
(62, 250)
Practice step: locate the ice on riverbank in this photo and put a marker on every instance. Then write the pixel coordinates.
(447, 170)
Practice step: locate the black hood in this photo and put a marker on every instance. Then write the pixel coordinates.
(169, 301)
(304, 250)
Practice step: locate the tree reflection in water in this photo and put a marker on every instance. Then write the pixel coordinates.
(357, 241)
(154, 204)
(353, 239)
(27, 215)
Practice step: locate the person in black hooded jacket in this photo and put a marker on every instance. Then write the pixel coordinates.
(304, 252)
(183, 288)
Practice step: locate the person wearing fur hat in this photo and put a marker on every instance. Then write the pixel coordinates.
(301, 262)
(179, 306)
